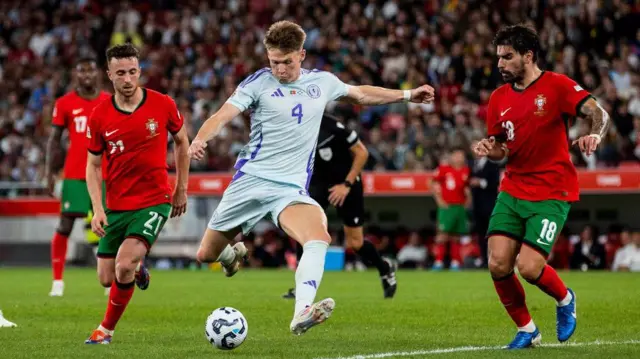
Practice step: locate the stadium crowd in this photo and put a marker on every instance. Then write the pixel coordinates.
(198, 51)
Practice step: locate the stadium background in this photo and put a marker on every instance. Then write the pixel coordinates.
(198, 51)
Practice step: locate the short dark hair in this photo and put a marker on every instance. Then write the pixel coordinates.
(285, 36)
(123, 51)
(521, 37)
(85, 60)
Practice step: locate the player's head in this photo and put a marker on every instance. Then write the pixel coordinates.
(517, 49)
(457, 157)
(283, 42)
(123, 68)
(86, 72)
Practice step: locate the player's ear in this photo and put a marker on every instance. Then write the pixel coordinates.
(528, 57)
(303, 54)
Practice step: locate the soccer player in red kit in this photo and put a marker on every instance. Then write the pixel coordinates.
(527, 124)
(453, 197)
(131, 129)
(71, 113)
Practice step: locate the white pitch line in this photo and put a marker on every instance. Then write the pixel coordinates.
(473, 349)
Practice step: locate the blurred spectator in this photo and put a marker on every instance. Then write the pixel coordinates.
(588, 253)
(413, 254)
(627, 258)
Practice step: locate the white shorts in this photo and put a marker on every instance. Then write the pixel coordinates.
(248, 199)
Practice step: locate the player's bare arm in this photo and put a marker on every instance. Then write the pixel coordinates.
(339, 192)
(437, 193)
(94, 180)
(53, 146)
(211, 128)
(181, 153)
(600, 123)
(373, 95)
(467, 193)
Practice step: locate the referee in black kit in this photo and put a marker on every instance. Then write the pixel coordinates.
(340, 157)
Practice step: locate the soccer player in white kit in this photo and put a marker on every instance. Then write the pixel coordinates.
(274, 169)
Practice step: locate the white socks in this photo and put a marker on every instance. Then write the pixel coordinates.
(529, 328)
(309, 273)
(227, 256)
(566, 300)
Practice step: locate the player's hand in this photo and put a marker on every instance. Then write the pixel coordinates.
(338, 194)
(179, 205)
(485, 146)
(588, 144)
(98, 222)
(423, 94)
(197, 149)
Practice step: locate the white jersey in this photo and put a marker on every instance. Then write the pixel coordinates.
(285, 120)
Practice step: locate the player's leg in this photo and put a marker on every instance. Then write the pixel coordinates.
(307, 224)
(215, 247)
(75, 202)
(506, 228)
(445, 222)
(542, 230)
(459, 227)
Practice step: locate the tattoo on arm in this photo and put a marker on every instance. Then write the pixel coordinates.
(599, 118)
(53, 146)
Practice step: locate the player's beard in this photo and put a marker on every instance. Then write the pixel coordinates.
(126, 93)
(513, 77)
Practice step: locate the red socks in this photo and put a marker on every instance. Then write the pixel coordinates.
(550, 283)
(58, 254)
(454, 252)
(512, 297)
(119, 297)
(438, 251)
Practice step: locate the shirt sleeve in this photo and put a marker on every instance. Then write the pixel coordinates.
(175, 117)
(438, 174)
(571, 95)
(58, 117)
(335, 87)
(246, 94)
(95, 141)
(494, 127)
(339, 130)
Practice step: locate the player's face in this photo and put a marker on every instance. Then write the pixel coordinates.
(457, 159)
(285, 67)
(510, 64)
(124, 73)
(87, 74)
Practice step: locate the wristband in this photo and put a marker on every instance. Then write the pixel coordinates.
(596, 136)
(406, 95)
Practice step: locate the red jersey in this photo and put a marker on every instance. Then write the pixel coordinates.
(534, 124)
(135, 145)
(453, 182)
(72, 111)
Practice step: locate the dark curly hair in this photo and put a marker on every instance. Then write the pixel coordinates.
(521, 37)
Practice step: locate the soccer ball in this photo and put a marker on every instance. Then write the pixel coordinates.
(226, 328)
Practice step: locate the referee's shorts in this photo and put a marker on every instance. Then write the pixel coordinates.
(351, 211)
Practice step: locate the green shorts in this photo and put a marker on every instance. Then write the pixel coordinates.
(76, 201)
(144, 224)
(535, 223)
(453, 219)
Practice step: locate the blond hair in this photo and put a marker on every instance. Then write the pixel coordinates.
(285, 36)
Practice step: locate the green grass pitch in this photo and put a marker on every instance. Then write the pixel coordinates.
(430, 311)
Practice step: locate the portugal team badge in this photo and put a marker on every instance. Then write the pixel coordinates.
(152, 127)
(540, 101)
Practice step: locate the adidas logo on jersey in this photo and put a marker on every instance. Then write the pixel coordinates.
(277, 93)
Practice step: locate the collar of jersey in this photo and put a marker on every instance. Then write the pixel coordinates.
(513, 86)
(115, 105)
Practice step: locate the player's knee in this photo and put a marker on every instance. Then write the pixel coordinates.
(441, 238)
(65, 226)
(529, 269)
(205, 256)
(106, 279)
(125, 269)
(499, 266)
(354, 239)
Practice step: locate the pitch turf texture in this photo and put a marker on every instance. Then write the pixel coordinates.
(430, 311)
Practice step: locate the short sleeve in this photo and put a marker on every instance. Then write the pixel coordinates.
(246, 94)
(336, 128)
(175, 117)
(95, 142)
(494, 127)
(571, 95)
(335, 87)
(438, 174)
(58, 117)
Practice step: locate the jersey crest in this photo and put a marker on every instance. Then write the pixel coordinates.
(314, 91)
(540, 101)
(152, 127)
